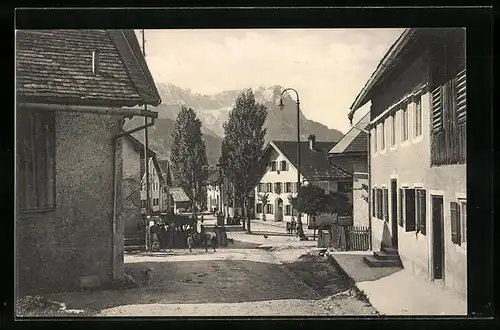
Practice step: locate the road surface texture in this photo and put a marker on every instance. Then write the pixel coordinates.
(255, 276)
(229, 282)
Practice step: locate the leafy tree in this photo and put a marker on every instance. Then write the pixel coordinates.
(188, 155)
(242, 147)
(313, 201)
(264, 200)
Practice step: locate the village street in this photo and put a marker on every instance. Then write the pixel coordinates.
(240, 280)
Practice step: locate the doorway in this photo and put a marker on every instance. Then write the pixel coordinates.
(437, 237)
(279, 210)
(394, 213)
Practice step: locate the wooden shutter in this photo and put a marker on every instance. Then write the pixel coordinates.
(374, 203)
(386, 204)
(410, 210)
(461, 97)
(422, 198)
(437, 109)
(400, 203)
(455, 223)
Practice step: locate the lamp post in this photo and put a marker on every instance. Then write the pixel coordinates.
(282, 106)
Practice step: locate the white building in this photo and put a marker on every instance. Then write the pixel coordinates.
(214, 193)
(279, 182)
(418, 154)
(158, 189)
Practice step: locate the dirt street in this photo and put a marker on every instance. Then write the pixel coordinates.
(240, 280)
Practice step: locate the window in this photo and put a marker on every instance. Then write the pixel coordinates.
(404, 123)
(156, 202)
(269, 187)
(288, 209)
(374, 202)
(277, 187)
(400, 208)
(409, 206)
(259, 187)
(269, 208)
(36, 156)
(273, 166)
(385, 197)
(375, 140)
(458, 222)
(420, 208)
(418, 115)
(259, 208)
(288, 187)
(382, 136)
(344, 187)
(323, 185)
(283, 166)
(463, 221)
(378, 209)
(393, 126)
(449, 120)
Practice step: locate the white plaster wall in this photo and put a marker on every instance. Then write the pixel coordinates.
(409, 163)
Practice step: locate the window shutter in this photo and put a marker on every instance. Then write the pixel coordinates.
(461, 90)
(380, 204)
(374, 203)
(437, 109)
(386, 205)
(455, 223)
(410, 210)
(400, 202)
(423, 211)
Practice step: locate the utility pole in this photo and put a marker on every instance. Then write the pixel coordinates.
(146, 158)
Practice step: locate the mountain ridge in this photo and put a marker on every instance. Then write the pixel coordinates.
(213, 110)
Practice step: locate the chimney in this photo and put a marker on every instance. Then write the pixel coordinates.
(312, 141)
(95, 62)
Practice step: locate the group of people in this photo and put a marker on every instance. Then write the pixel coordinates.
(206, 239)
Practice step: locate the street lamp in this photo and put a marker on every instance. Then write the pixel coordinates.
(282, 106)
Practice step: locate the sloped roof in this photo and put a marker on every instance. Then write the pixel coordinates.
(354, 140)
(213, 176)
(55, 66)
(314, 164)
(165, 167)
(384, 66)
(178, 195)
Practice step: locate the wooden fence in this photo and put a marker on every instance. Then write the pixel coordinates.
(345, 238)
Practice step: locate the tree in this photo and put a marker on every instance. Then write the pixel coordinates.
(242, 147)
(310, 200)
(264, 199)
(188, 155)
(313, 201)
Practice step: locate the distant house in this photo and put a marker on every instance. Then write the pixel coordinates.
(71, 90)
(418, 153)
(180, 200)
(134, 184)
(158, 189)
(351, 154)
(214, 191)
(168, 182)
(279, 181)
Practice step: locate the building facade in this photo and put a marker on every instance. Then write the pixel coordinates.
(69, 189)
(158, 189)
(279, 182)
(418, 154)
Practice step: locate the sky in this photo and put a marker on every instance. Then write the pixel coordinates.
(328, 67)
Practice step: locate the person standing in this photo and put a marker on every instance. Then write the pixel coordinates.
(214, 239)
(190, 243)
